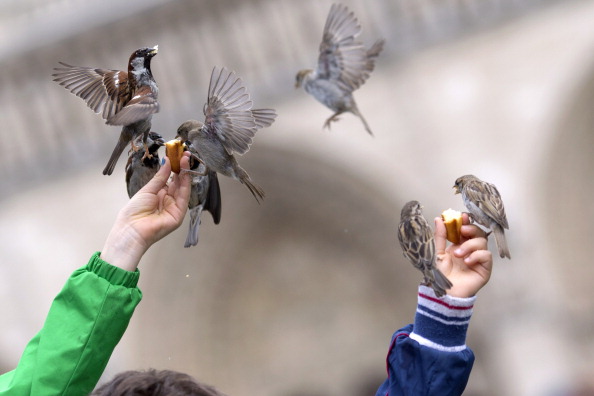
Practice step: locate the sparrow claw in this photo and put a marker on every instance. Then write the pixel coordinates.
(193, 172)
(470, 217)
(134, 147)
(147, 153)
(194, 156)
(329, 120)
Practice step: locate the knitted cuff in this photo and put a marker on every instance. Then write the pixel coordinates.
(114, 275)
(441, 322)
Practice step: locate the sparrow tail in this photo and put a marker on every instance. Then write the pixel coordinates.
(244, 178)
(115, 155)
(192, 238)
(256, 191)
(356, 112)
(501, 241)
(440, 283)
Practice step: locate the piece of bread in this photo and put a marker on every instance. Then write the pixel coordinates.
(453, 222)
(174, 150)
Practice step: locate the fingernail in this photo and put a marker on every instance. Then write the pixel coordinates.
(459, 252)
(163, 161)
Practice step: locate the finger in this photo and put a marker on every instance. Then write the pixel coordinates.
(483, 257)
(184, 172)
(172, 185)
(160, 179)
(440, 236)
(472, 231)
(182, 194)
(185, 163)
(465, 219)
(470, 246)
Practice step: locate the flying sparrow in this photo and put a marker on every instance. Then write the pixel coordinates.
(140, 168)
(486, 207)
(343, 65)
(205, 195)
(416, 239)
(229, 127)
(123, 98)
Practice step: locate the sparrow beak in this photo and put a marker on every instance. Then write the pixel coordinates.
(160, 141)
(154, 50)
(456, 191)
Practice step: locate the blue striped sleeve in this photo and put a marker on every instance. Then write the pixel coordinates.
(442, 322)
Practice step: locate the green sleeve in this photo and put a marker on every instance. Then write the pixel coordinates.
(85, 322)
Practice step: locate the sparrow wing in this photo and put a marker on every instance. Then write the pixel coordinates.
(228, 112)
(104, 91)
(213, 198)
(343, 59)
(427, 245)
(416, 240)
(139, 107)
(263, 117)
(487, 197)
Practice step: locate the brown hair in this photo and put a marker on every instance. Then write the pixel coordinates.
(154, 383)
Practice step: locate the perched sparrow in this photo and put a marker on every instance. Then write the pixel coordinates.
(205, 195)
(229, 127)
(123, 98)
(416, 239)
(485, 206)
(343, 65)
(140, 168)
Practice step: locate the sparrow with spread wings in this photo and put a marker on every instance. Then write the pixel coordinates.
(229, 127)
(343, 65)
(126, 98)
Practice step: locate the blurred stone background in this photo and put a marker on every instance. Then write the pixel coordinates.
(299, 296)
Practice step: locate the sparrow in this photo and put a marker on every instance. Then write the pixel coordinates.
(228, 128)
(416, 239)
(140, 168)
(123, 98)
(343, 65)
(205, 194)
(485, 206)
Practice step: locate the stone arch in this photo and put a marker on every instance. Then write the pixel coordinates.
(294, 287)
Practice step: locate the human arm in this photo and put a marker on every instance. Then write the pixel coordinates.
(91, 313)
(85, 322)
(152, 213)
(431, 356)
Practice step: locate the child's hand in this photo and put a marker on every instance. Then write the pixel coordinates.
(467, 265)
(152, 213)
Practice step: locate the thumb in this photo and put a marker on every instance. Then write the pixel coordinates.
(160, 179)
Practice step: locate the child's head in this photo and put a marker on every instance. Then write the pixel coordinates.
(154, 383)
